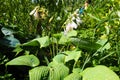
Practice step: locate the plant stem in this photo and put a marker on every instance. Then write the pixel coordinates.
(46, 59)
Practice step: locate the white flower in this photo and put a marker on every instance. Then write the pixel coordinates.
(35, 12)
(78, 21)
(32, 12)
(70, 26)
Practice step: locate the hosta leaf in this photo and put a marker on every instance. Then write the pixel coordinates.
(104, 43)
(76, 70)
(39, 73)
(72, 55)
(27, 60)
(60, 58)
(84, 44)
(42, 42)
(65, 38)
(7, 31)
(9, 41)
(31, 43)
(99, 72)
(71, 33)
(58, 71)
(73, 76)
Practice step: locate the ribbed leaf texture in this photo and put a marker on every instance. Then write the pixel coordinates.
(39, 73)
(58, 71)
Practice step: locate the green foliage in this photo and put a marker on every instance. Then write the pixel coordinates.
(84, 44)
(39, 73)
(58, 71)
(43, 42)
(65, 38)
(54, 71)
(72, 55)
(105, 45)
(66, 52)
(27, 60)
(73, 76)
(60, 58)
(67, 56)
(8, 40)
(99, 72)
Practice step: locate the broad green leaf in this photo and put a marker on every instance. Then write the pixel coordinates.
(39, 73)
(31, 43)
(76, 70)
(99, 72)
(27, 60)
(72, 55)
(58, 71)
(60, 58)
(63, 40)
(84, 44)
(71, 33)
(73, 76)
(104, 43)
(42, 42)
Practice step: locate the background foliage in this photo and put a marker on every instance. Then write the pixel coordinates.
(38, 49)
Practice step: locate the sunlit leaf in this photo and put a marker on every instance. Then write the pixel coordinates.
(39, 73)
(99, 72)
(42, 42)
(58, 71)
(31, 43)
(104, 43)
(72, 55)
(60, 58)
(63, 40)
(71, 33)
(73, 76)
(27, 60)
